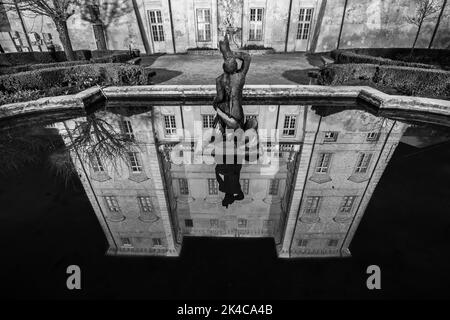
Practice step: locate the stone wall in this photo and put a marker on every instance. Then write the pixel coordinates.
(367, 23)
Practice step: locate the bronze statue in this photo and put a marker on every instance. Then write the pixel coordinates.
(230, 115)
(229, 85)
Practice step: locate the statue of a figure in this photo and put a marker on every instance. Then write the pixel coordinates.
(229, 85)
(230, 116)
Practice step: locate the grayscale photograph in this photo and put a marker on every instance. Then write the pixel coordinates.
(198, 152)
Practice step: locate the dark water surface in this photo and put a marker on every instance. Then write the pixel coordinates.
(70, 193)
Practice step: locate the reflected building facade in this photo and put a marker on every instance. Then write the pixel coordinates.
(307, 191)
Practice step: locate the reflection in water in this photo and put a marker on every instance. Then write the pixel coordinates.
(308, 188)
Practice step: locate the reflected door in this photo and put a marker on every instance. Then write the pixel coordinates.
(157, 30)
(304, 29)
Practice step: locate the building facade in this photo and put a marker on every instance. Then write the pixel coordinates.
(174, 26)
(308, 190)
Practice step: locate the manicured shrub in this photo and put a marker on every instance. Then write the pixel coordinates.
(344, 56)
(409, 81)
(64, 80)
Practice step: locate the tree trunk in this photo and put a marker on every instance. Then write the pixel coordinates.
(99, 34)
(437, 24)
(415, 39)
(61, 27)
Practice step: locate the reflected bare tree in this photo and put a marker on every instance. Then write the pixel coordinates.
(93, 139)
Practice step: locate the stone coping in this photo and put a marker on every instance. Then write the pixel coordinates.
(256, 94)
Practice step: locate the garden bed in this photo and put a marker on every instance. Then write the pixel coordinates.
(430, 83)
(30, 85)
(421, 58)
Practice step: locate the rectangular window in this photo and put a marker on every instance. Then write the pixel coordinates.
(214, 223)
(156, 242)
(304, 23)
(323, 163)
(245, 184)
(289, 125)
(135, 165)
(372, 136)
(127, 130)
(208, 120)
(333, 242)
(96, 163)
(267, 224)
(111, 202)
(213, 188)
(183, 184)
(363, 162)
(203, 25)
(256, 24)
(170, 125)
(188, 223)
(126, 242)
(330, 136)
(242, 223)
(273, 188)
(347, 204)
(156, 25)
(145, 204)
(312, 205)
(302, 243)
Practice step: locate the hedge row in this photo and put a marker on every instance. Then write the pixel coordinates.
(46, 82)
(112, 58)
(409, 81)
(439, 57)
(344, 56)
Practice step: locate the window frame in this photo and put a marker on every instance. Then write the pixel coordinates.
(304, 26)
(156, 25)
(183, 186)
(253, 25)
(362, 164)
(213, 187)
(209, 120)
(323, 164)
(287, 130)
(147, 205)
(112, 203)
(312, 205)
(206, 33)
(136, 167)
(170, 125)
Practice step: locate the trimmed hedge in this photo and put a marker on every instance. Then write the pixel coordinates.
(345, 56)
(62, 80)
(410, 81)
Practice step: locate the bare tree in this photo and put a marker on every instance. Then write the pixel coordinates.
(103, 13)
(425, 11)
(58, 10)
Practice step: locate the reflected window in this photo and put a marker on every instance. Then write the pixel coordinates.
(333, 242)
(242, 223)
(273, 188)
(96, 163)
(330, 136)
(145, 203)
(188, 223)
(127, 130)
(363, 162)
(126, 242)
(289, 125)
(156, 242)
(208, 121)
(245, 183)
(183, 184)
(347, 204)
(372, 136)
(312, 205)
(214, 223)
(302, 243)
(267, 224)
(213, 187)
(323, 163)
(112, 203)
(135, 165)
(156, 25)
(170, 125)
(203, 25)
(256, 24)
